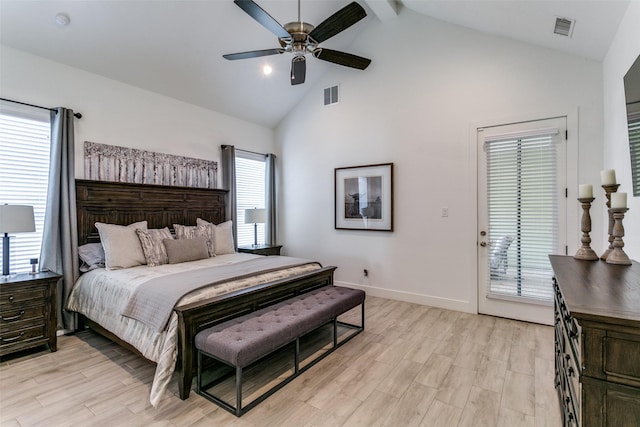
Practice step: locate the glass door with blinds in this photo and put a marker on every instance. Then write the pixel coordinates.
(521, 217)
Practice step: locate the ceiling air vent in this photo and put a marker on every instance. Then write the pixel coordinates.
(564, 26)
(331, 95)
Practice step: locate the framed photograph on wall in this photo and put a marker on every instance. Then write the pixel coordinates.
(364, 197)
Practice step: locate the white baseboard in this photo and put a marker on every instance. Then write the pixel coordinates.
(446, 303)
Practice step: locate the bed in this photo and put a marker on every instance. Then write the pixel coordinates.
(163, 206)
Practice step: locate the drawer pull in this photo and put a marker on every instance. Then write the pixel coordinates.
(8, 319)
(11, 298)
(17, 337)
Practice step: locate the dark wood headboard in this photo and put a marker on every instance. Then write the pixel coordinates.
(161, 205)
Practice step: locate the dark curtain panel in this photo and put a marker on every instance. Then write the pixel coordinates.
(59, 250)
(271, 231)
(228, 163)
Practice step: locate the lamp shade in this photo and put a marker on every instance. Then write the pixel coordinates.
(16, 219)
(255, 216)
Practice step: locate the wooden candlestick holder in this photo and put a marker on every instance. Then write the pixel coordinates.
(617, 255)
(608, 189)
(585, 252)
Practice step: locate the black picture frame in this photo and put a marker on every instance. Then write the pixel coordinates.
(363, 197)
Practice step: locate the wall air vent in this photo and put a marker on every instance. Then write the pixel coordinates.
(331, 95)
(564, 26)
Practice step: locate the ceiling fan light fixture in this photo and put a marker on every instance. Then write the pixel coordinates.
(300, 38)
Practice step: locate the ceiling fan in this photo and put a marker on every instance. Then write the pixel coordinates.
(301, 38)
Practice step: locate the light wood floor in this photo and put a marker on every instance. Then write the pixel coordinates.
(413, 365)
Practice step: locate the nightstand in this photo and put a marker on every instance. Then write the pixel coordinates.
(261, 249)
(28, 311)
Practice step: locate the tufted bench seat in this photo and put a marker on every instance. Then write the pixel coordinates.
(244, 340)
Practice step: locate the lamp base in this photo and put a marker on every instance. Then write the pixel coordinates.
(255, 235)
(5, 255)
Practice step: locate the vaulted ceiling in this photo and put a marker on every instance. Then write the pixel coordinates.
(175, 47)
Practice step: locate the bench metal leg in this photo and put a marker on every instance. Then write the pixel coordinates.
(296, 357)
(238, 391)
(199, 374)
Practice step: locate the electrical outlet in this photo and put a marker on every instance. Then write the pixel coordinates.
(445, 212)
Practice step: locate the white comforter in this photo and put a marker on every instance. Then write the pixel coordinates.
(101, 296)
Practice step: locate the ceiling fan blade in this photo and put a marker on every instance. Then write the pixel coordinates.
(252, 54)
(263, 18)
(342, 58)
(338, 22)
(298, 69)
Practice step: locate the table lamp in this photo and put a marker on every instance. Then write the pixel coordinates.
(14, 219)
(255, 216)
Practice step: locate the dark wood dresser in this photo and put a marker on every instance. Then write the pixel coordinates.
(27, 311)
(597, 342)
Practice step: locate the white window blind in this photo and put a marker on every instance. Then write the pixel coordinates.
(24, 173)
(523, 208)
(250, 193)
(633, 121)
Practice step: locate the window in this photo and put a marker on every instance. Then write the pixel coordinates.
(25, 134)
(250, 193)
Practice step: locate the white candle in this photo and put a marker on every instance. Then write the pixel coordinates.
(618, 200)
(608, 177)
(585, 191)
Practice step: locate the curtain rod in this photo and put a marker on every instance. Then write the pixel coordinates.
(252, 152)
(76, 115)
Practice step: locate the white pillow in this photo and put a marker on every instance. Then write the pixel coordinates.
(223, 232)
(122, 248)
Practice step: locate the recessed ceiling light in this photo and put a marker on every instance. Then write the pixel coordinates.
(62, 19)
(267, 70)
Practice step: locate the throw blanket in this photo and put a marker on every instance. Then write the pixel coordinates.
(153, 301)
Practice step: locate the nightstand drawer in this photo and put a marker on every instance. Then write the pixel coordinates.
(17, 296)
(15, 340)
(20, 317)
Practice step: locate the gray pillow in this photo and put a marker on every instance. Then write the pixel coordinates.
(183, 250)
(91, 256)
(191, 232)
(121, 245)
(153, 246)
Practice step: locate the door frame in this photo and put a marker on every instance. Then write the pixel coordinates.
(572, 212)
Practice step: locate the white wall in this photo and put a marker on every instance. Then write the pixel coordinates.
(416, 105)
(118, 114)
(623, 51)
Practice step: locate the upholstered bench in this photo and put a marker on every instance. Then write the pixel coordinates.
(244, 340)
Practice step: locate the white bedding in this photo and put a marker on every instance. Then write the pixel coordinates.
(101, 296)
